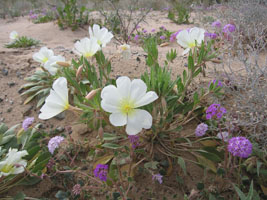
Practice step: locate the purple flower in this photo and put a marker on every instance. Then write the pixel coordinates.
(240, 147)
(54, 8)
(27, 123)
(162, 37)
(34, 16)
(144, 31)
(216, 24)
(163, 27)
(174, 35)
(211, 35)
(228, 28)
(201, 129)
(134, 140)
(166, 8)
(136, 37)
(223, 135)
(215, 110)
(101, 171)
(137, 27)
(76, 190)
(157, 177)
(219, 83)
(153, 30)
(54, 143)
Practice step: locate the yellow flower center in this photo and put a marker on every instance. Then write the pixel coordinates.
(67, 105)
(7, 168)
(192, 44)
(88, 54)
(99, 42)
(127, 107)
(124, 48)
(45, 59)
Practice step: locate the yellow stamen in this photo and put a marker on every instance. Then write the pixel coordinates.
(7, 168)
(127, 107)
(45, 59)
(88, 54)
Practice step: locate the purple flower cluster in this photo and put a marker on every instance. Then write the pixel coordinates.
(162, 37)
(101, 171)
(144, 31)
(228, 28)
(215, 110)
(153, 30)
(201, 129)
(216, 24)
(163, 28)
(136, 37)
(27, 123)
(219, 83)
(157, 177)
(134, 140)
(54, 143)
(240, 147)
(76, 190)
(211, 35)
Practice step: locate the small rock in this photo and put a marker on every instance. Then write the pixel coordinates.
(2, 119)
(185, 64)
(5, 72)
(28, 110)
(41, 126)
(60, 129)
(1, 100)
(9, 110)
(11, 102)
(60, 116)
(11, 83)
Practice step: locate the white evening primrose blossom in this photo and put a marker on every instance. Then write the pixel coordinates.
(13, 36)
(51, 65)
(13, 163)
(189, 39)
(43, 55)
(57, 101)
(86, 47)
(125, 51)
(122, 102)
(102, 35)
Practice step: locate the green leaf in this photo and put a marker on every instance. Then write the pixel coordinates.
(151, 165)
(250, 193)
(111, 146)
(258, 167)
(110, 136)
(181, 162)
(209, 155)
(30, 180)
(19, 196)
(241, 195)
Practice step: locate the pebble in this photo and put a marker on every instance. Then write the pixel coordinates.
(11, 102)
(9, 109)
(10, 84)
(2, 119)
(60, 129)
(60, 116)
(5, 72)
(1, 100)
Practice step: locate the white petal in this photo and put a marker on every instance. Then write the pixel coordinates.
(186, 51)
(146, 99)
(138, 89)
(60, 87)
(118, 119)
(197, 34)
(50, 110)
(38, 57)
(109, 107)
(138, 120)
(124, 86)
(183, 38)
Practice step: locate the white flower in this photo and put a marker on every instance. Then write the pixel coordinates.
(57, 101)
(102, 35)
(86, 47)
(187, 38)
(13, 163)
(125, 51)
(43, 55)
(122, 101)
(52, 66)
(13, 36)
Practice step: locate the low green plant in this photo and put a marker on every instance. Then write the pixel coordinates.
(22, 42)
(179, 14)
(71, 15)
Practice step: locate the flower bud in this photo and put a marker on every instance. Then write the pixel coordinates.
(79, 71)
(91, 94)
(63, 64)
